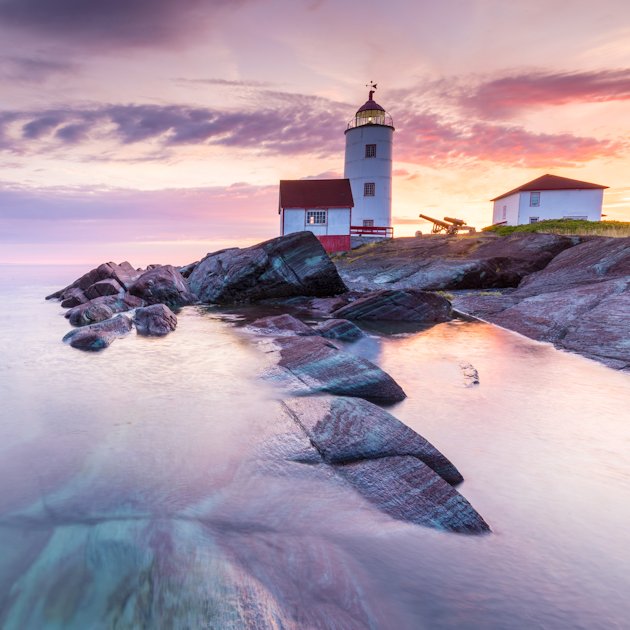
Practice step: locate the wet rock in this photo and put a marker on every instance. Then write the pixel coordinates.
(109, 286)
(282, 325)
(162, 285)
(88, 313)
(156, 320)
(98, 336)
(348, 429)
(471, 376)
(409, 305)
(73, 297)
(434, 263)
(408, 490)
(123, 273)
(186, 270)
(340, 329)
(320, 366)
(290, 265)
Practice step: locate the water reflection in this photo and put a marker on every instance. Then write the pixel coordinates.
(152, 485)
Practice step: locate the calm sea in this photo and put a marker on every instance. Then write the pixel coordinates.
(139, 488)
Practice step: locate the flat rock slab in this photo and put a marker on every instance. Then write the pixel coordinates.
(345, 429)
(407, 305)
(291, 265)
(408, 490)
(163, 285)
(156, 320)
(440, 262)
(321, 367)
(98, 336)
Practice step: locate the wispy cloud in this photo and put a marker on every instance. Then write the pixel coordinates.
(509, 95)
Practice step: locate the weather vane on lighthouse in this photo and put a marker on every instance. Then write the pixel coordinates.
(372, 87)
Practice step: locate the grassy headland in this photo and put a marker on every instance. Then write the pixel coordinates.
(568, 227)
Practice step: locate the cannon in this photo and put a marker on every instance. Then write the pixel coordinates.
(449, 226)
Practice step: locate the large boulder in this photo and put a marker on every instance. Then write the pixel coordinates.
(319, 366)
(345, 429)
(98, 336)
(109, 286)
(408, 305)
(93, 311)
(163, 285)
(295, 264)
(156, 320)
(441, 262)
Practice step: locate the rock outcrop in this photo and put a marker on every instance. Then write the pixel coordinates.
(282, 325)
(98, 336)
(579, 302)
(440, 262)
(156, 320)
(403, 305)
(296, 264)
(163, 285)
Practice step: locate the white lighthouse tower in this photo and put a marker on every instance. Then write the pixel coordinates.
(368, 166)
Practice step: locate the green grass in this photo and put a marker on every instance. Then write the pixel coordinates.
(567, 226)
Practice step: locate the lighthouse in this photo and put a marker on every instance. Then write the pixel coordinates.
(368, 166)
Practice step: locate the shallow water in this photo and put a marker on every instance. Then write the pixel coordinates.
(136, 488)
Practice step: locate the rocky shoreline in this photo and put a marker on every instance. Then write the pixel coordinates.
(570, 291)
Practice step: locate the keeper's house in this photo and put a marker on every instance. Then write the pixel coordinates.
(321, 206)
(549, 197)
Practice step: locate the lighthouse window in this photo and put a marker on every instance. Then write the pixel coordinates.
(370, 150)
(369, 189)
(316, 217)
(534, 199)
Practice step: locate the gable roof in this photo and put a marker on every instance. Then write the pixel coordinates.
(315, 193)
(551, 182)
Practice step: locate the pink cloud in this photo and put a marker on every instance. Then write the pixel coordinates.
(505, 96)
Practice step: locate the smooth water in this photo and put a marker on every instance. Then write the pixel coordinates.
(143, 486)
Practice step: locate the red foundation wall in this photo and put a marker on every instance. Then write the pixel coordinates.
(335, 243)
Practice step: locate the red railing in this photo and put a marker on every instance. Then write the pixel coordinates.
(364, 230)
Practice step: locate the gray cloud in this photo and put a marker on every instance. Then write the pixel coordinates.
(33, 69)
(113, 22)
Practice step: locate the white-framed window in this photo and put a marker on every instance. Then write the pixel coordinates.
(504, 213)
(370, 150)
(368, 222)
(533, 219)
(369, 189)
(316, 217)
(534, 199)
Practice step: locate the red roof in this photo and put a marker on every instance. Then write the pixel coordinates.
(315, 193)
(551, 182)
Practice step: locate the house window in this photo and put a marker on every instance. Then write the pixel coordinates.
(370, 150)
(369, 189)
(533, 219)
(534, 199)
(368, 222)
(316, 217)
(504, 215)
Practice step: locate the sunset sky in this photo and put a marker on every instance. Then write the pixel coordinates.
(157, 130)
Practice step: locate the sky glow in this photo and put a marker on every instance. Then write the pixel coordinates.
(155, 130)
